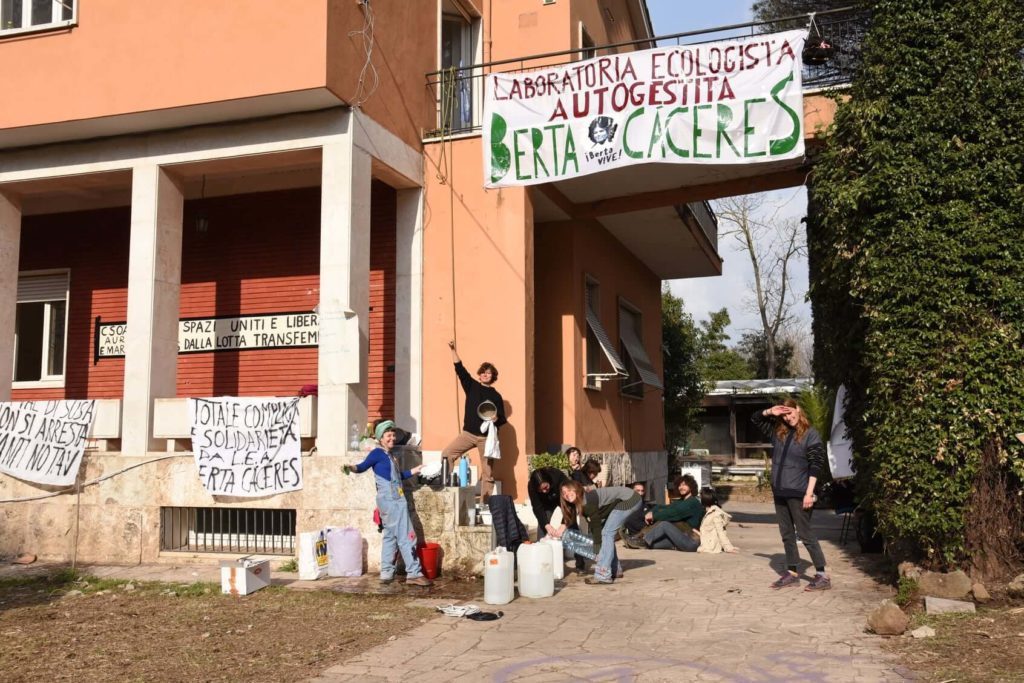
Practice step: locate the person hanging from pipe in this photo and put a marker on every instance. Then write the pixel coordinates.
(399, 534)
(473, 434)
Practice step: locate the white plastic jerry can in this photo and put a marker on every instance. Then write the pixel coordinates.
(498, 577)
(536, 575)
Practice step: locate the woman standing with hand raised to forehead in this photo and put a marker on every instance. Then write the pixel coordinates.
(798, 459)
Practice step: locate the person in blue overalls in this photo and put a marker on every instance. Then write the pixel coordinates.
(394, 510)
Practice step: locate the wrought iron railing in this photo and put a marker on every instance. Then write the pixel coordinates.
(459, 91)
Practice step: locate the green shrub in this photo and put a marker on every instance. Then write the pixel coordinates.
(917, 276)
(556, 460)
(906, 591)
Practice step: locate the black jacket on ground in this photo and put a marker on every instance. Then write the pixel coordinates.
(508, 530)
(476, 394)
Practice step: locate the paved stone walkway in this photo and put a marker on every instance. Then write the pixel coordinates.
(674, 617)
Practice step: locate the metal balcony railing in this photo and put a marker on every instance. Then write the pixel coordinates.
(459, 91)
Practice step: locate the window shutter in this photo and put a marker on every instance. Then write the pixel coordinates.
(42, 287)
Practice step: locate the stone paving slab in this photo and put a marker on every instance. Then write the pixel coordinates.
(674, 617)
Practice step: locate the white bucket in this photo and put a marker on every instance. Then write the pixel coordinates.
(344, 551)
(536, 574)
(498, 579)
(557, 557)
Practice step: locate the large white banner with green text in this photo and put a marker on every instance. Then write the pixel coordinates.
(730, 102)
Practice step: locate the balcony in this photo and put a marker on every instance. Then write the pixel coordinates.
(659, 211)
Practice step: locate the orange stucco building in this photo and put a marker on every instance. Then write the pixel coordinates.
(197, 161)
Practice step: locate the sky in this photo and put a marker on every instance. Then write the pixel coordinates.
(732, 289)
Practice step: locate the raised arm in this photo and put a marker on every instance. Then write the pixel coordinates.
(455, 354)
(764, 421)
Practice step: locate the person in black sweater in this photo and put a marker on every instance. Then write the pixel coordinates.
(798, 459)
(544, 487)
(472, 435)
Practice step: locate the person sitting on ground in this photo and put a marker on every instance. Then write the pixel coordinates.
(604, 509)
(713, 538)
(636, 521)
(666, 533)
(543, 488)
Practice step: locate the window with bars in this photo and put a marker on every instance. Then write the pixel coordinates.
(22, 16)
(227, 530)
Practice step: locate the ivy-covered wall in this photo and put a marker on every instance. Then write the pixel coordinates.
(916, 247)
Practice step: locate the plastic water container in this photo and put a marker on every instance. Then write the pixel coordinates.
(498, 578)
(557, 557)
(536, 574)
(344, 551)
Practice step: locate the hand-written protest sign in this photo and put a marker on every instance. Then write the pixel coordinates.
(246, 446)
(229, 333)
(730, 102)
(43, 441)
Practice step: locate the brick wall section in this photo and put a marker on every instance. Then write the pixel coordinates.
(261, 254)
(380, 368)
(94, 246)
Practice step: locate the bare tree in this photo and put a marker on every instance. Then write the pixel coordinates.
(772, 244)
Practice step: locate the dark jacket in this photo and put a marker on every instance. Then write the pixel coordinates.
(544, 504)
(793, 462)
(687, 510)
(508, 530)
(476, 394)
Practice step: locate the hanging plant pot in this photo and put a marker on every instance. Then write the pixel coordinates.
(817, 51)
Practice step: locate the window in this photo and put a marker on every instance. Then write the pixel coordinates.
(40, 328)
(587, 46)
(459, 36)
(22, 16)
(598, 344)
(641, 371)
(227, 530)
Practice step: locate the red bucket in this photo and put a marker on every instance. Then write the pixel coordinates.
(430, 558)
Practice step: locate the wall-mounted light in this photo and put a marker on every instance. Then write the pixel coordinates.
(202, 223)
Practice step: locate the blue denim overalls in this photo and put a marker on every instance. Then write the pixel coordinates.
(398, 532)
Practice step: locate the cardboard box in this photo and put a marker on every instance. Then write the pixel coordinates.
(244, 576)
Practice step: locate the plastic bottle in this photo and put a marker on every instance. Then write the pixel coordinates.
(354, 443)
(464, 470)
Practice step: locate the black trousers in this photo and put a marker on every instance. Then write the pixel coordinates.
(793, 520)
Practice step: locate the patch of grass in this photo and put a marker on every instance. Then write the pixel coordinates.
(906, 591)
(291, 565)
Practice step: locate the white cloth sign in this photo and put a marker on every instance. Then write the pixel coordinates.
(43, 441)
(840, 446)
(729, 102)
(246, 446)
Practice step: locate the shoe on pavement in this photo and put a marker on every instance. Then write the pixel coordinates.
(635, 542)
(786, 580)
(385, 580)
(419, 581)
(820, 582)
(592, 581)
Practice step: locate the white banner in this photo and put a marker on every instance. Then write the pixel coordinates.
(730, 102)
(229, 333)
(246, 446)
(43, 441)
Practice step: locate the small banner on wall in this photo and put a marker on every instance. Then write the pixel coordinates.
(226, 333)
(43, 441)
(246, 446)
(731, 102)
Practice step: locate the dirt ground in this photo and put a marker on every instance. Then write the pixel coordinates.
(986, 647)
(64, 628)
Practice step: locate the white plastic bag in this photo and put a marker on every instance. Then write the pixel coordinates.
(344, 551)
(312, 555)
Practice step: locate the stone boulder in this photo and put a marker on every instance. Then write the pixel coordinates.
(952, 586)
(934, 605)
(888, 620)
(1015, 589)
(980, 593)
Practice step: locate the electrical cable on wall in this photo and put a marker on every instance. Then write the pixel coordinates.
(369, 72)
(81, 486)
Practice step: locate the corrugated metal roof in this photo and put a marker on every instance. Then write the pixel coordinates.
(761, 386)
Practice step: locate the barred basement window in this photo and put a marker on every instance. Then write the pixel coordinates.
(227, 530)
